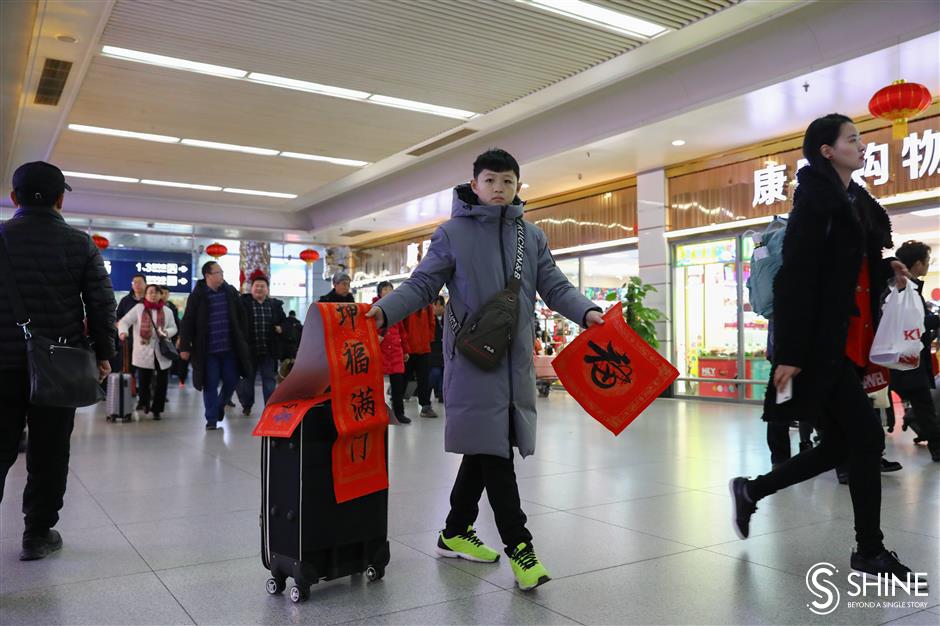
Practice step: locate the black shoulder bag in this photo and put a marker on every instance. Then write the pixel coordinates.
(484, 338)
(166, 347)
(61, 373)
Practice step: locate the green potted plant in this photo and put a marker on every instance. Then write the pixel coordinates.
(638, 316)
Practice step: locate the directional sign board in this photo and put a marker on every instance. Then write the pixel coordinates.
(172, 270)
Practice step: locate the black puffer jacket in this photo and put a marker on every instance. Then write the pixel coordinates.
(61, 279)
(332, 296)
(826, 241)
(194, 331)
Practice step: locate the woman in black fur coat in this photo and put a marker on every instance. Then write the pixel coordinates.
(827, 298)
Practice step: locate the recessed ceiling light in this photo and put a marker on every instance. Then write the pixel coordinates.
(678, 142)
(526, 185)
(255, 192)
(199, 143)
(325, 159)
(421, 107)
(66, 38)
(113, 179)
(167, 183)
(127, 134)
(599, 16)
(303, 85)
(172, 62)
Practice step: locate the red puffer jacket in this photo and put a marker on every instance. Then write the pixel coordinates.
(394, 347)
(421, 327)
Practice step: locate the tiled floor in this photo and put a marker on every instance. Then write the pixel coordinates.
(161, 527)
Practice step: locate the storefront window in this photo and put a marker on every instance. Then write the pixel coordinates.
(706, 317)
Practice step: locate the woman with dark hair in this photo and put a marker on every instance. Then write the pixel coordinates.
(826, 306)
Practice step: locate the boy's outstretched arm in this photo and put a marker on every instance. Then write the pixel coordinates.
(425, 283)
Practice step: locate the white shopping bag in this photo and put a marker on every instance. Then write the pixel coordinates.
(897, 343)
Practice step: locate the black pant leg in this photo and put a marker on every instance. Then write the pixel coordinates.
(161, 382)
(47, 463)
(145, 392)
(14, 398)
(422, 376)
(778, 440)
(397, 383)
(503, 493)
(925, 413)
(465, 496)
(806, 431)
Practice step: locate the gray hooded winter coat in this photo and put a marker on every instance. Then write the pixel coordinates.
(487, 412)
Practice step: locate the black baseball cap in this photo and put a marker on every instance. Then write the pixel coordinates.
(38, 184)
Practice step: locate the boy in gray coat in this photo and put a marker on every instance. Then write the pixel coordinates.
(488, 412)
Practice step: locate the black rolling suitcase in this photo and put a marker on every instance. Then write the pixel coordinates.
(305, 534)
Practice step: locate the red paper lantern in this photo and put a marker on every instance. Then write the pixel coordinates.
(310, 256)
(899, 102)
(216, 250)
(101, 242)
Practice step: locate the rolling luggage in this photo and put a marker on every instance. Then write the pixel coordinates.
(305, 534)
(118, 403)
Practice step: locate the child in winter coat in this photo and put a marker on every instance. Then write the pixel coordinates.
(489, 412)
(394, 356)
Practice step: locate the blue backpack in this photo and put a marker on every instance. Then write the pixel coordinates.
(765, 263)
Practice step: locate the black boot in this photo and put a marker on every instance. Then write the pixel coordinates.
(37, 547)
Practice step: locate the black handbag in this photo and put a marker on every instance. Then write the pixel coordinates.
(166, 347)
(62, 373)
(485, 337)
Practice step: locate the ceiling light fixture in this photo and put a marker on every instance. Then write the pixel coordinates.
(935, 212)
(167, 183)
(526, 185)
(600, 17)
(678, 142)
(325, 159)
(113, 179)
(172, 62)
(127, 134)
(255, 192)
(303, 85)
(283, 82)
(214, 145)
(421, 107)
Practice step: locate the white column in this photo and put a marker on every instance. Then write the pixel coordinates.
(654, 250)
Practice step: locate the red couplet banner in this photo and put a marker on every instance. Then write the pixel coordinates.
(612, 372)
(351, 379)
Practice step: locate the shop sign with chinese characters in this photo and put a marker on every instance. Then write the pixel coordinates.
(920, 158)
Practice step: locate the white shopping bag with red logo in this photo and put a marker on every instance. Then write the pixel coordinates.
(897, 343)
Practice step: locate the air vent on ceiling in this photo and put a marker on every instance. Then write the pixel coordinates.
(356, 233)
(52, 81)
(443, 141)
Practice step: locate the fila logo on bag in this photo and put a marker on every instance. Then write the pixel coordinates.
(912, 335)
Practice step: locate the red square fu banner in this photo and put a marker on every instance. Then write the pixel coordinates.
(612, 372)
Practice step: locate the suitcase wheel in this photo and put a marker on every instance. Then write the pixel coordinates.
(375, 573)
(276, 586)
(299, 594)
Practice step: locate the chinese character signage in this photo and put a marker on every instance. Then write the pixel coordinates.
(612, 372)
(172, 270)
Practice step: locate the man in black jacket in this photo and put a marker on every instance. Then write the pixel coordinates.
(62, 281)
(213, 337)
(341, 291)
(914, 386)
(265, 328)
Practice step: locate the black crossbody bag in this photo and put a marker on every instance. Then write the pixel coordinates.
(61, 373)
(166, 347)
(486, 336)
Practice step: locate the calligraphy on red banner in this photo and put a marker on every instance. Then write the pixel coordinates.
(612, 372)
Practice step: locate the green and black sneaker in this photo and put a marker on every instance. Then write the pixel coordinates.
(530, 573)
(466, 545)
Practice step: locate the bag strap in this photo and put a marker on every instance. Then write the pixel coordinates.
(6, 268)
